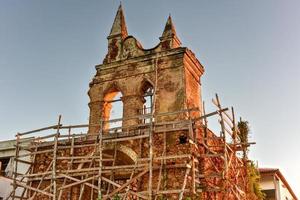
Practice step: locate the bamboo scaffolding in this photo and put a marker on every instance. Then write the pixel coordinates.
(97, 171)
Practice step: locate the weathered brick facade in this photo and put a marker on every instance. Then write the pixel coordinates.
(171, 148)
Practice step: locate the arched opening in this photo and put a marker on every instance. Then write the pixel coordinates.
(113, 110)
(147, 93)
(122, 156)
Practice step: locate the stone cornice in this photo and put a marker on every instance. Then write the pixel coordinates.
(145, 57)
(195, 61)
(153, 56)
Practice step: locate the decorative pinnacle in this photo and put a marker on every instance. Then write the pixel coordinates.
(169, 30)
(119, 26)
(169, 34)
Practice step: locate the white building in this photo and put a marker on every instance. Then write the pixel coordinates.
(275, 186)
(7, 154)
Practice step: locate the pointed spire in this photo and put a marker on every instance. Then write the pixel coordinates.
(169, 30)
(119, 26)
(170, 35)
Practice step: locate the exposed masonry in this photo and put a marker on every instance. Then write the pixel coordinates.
(163, 151)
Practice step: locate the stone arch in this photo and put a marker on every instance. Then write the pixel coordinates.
(146, 91)
(109, 94)
(112, 87)
(125, 155)
(144, 84)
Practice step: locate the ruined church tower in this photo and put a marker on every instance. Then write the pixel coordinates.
(147, 136)
(167, 74)
(171, 71)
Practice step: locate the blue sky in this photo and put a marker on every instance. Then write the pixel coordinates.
(250, 50)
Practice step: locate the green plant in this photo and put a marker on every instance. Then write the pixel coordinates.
(117, 197)
(254, 178)
(252, 172)
(244, 130)
(243, 133)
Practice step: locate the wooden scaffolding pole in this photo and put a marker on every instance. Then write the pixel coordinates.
(54, 181)
(161, 176)
(150, 188)
(125, 185)
(15, 175)
(188, 169)
(69, 164)
(30, 170)
(112, 176)
(100, 160)
(41, 181)
(82, 187)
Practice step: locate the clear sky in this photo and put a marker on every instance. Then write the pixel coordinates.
(250, 50)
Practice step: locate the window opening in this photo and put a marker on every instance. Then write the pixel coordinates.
(113, 111)
(3, 164)
(148, 92)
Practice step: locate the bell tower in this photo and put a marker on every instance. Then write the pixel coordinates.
(170, 71)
